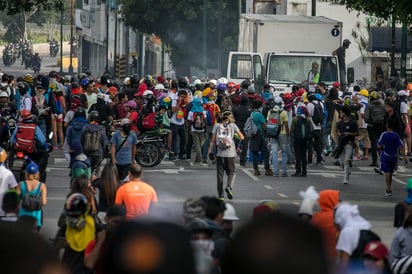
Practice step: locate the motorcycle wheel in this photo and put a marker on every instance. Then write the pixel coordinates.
(148, 155)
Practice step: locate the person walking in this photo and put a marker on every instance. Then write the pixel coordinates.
(123, 148)
(347, 130)
(7, 179)
(136, 196)
(222, 138)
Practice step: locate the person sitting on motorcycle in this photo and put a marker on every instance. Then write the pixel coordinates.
(6, 108)
(23, 98)
(39, 152)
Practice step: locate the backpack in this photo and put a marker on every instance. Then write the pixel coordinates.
(377, 115)
(302, 129)
(365, 237)
(317, 117)
(91, 140)
(225, 103)
(273, 127)
(224, 136)
(149, 121)
(25, 138)
(31, 202)
(250, 127)
(199, 121)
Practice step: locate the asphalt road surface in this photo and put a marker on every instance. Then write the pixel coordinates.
(177, 181)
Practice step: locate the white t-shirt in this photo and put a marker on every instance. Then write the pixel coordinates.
(177, 116)
(190, 118)
(7, 181)
(91, 99)
(404, 108)
(69, 116)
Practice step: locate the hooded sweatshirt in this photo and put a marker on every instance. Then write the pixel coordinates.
(328, 199)
(351, 223)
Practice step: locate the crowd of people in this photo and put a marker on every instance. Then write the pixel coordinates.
(211, 121)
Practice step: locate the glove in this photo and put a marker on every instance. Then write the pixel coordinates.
(310, 197)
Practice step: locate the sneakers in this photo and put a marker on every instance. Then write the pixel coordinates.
(388, 193)
(268, 172)
(229, 193)
(356, 157)
(256, 172)
(221, 198)
(297, 174)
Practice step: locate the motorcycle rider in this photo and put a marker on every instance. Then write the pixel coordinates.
(40, 154)
(7, 113)
(54, 48)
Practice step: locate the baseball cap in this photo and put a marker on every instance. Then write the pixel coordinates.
(402, 93)
(376, 250)
(125, 121)
(32, 168)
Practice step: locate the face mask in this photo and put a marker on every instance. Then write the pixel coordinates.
(126, 128)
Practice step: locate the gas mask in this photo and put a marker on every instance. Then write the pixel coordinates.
(126, 128)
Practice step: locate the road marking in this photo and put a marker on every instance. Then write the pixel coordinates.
(398, 181)
(60, 160)
(268, 187)
(283, 195)
(248, 173)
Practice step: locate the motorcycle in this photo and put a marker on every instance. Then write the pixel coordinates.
(8, 57)
(150, 149)
(17, 49)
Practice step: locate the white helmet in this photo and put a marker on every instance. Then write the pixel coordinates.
(126, 81)
(4, 94)
(159, 87)
(230, 213)
(197, 82)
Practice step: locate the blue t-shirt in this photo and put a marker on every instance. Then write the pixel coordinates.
(124, 155)
(391, 142)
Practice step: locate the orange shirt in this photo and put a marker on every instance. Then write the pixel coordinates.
(137, 197)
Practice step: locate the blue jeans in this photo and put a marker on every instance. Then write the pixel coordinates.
(277, 143)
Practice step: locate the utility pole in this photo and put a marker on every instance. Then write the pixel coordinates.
(61, 41)
(204, 39)
(313, 7)
(71, 36)
(404, 46)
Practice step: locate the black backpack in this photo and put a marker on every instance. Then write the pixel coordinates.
(302, 129)
(317, 117)
(365, 237)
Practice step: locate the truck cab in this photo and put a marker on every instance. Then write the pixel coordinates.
(280, 70)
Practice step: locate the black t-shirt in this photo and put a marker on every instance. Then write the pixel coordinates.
(350, 126)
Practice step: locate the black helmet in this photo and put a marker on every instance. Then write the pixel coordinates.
(80, 112)
(76, 205)
(346, 42)
(245, 84)
(175, 83)
(94, 116)
(182, 83)
(23, 87)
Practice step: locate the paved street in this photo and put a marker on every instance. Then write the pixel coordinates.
(177, 181)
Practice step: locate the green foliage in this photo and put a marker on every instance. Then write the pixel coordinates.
(179, 23)
(12, 7)
(399, 9)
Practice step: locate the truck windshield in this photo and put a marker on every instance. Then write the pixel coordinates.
(293, 69)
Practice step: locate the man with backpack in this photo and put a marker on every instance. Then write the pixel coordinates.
(94, 140)
(196, 119)
(375, 118)
(316, 114)
(29, 138)
(277, 130)
(301, 132)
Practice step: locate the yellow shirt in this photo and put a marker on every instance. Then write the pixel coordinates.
(283, 121)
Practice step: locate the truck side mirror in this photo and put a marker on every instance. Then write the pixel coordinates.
(350, 75)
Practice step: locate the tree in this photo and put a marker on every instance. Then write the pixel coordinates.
(12, 7)
(179, 23)
(385, 9)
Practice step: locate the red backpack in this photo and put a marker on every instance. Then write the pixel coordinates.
(149, 121)
(25, 140)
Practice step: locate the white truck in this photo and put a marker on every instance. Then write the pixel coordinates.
(280, 50)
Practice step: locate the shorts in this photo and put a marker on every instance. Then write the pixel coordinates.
(363, 135)
(58, 117)
(388, 164)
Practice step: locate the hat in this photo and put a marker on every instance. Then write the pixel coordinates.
(336, 85)
(264, 208)
(4, 94)
(28, 78)
(38, 84)
(376, 249)
(251, 89)
(100, 96)
(213, 82)
(402, 93)
(32, 168)
(113, 90)
(76, 149)
(125, 121)
(131, 104)
(230, 213)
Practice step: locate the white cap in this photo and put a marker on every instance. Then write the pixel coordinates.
(230, 213)
(213, 81)
(4, 94)
(159, 87)
(402, 93)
